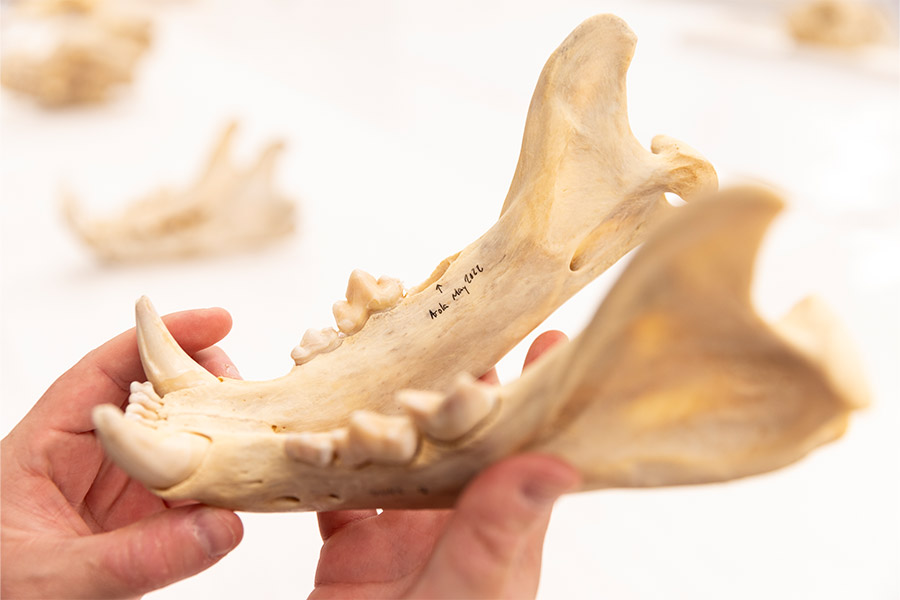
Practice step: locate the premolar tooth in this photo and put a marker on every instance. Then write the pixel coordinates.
(156, 459)
(166, 365)
(377, 438)
(365, 295)
(447, 417)
(312, 448)
(315, 342)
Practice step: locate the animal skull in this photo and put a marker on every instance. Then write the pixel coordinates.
(226, 209)
(675, 381)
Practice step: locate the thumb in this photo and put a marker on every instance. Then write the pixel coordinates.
(157, 551)
(491, 545)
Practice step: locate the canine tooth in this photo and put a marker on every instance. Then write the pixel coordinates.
(312, 448)
(447, 417)
(156, 459)
(315, 342)
(166, 365)
(377, 438)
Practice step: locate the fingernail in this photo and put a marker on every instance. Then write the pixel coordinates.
(213, 532)
(544, 490)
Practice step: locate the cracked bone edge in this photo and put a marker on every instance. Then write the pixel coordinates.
(312, 448)
(315, 342)
(226, 209)
(365, 296)
(158, 460)
(448, 417)
(376, 438)
(166, 365)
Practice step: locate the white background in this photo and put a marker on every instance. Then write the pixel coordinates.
(403, 122)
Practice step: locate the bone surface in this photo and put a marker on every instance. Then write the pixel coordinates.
(838, 23)
(584, 193)
(225, 210)
(64, 53)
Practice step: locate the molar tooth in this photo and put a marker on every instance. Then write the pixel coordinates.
(365, 295)
(312, 448)
(447, 417)
(315, 342)
(377, 438)
(386, 294)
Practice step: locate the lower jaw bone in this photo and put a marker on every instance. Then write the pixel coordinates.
(333, 433)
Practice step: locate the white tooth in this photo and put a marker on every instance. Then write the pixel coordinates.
(145, 395)
(451, 416)
(158, 460)
(365, 295)
(312, 448)
(315, 342)
(376, 438)
(350, 318)
(166, 365)
(387, 293)
(136, 410)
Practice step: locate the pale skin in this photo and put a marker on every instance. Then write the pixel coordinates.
(74, 525)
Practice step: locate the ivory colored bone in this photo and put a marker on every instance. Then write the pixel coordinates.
(676, 380)
(227, 209)
(64, 53)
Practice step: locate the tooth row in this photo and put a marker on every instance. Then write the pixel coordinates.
(371, 437)
(315, 342)
(365, 296)
(143, 402)
(447, 417)
(368, 438)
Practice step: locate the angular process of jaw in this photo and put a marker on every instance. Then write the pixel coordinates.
(676, 380)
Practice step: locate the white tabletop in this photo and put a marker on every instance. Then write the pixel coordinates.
(403, 122)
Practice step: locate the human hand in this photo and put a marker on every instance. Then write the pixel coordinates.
(488, 546)
(74, 524)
